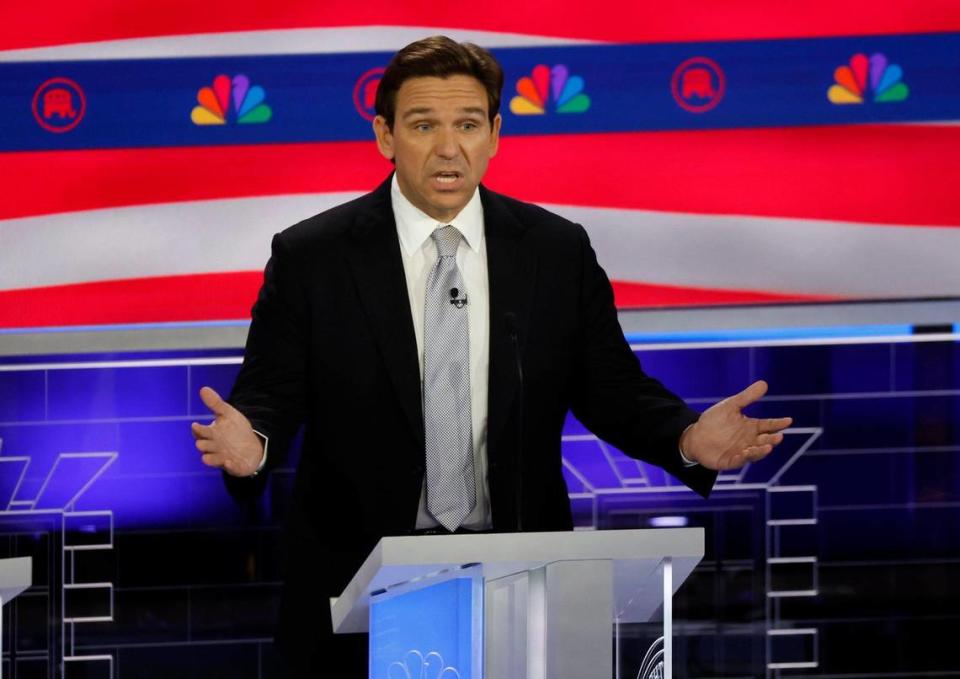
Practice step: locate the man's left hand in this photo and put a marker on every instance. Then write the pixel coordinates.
(724, 438)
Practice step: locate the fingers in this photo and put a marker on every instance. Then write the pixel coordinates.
(207, 446)
(754, 453)
(774, 424)
(218, 461)
(212, 400)
(204, 442)
(765, 443)
(747, 455)
(751, 394)
(215, 460)
(201, 431)
(772, 439)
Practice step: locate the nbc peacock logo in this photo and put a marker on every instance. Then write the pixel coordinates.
(546, 86)
(875, 78)
(215, 101)
(415, 665)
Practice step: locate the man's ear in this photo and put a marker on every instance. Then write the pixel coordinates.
(495, 135)
(384, 137)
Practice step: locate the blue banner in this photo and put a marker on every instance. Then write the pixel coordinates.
(548, 90)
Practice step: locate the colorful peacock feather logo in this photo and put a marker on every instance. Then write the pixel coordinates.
(564, 90)
(864, 75)
(248, 106)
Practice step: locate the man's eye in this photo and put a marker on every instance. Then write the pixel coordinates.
(422, 127)
(470, 126)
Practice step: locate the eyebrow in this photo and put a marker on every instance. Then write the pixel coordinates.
(424, 110)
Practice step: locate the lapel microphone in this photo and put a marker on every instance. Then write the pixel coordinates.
(456, 300)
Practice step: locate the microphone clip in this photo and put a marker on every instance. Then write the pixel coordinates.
(456, 300)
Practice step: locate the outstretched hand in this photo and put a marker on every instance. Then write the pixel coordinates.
(229, 442)
(724, 438)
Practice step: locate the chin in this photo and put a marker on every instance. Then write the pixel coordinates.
(448, 199)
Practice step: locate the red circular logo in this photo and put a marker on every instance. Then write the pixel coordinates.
(365, 92)
(698, 84)
(59, 105)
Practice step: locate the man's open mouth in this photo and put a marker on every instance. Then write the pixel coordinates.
(447, 177)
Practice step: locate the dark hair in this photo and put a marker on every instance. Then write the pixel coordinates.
(440, 57)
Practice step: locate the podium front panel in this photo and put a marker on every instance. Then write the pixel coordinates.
(429, 628)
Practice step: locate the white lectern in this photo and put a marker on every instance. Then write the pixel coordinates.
(529, 605)
(15, 576)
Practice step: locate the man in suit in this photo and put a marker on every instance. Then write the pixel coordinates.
(431, 337)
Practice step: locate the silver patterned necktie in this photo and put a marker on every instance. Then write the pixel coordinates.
(451, 490)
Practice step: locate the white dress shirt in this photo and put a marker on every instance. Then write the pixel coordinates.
(419, 253)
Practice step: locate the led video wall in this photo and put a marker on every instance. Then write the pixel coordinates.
(845, 541)
(148, 156)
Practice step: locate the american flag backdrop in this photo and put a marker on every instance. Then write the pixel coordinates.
(716, 152)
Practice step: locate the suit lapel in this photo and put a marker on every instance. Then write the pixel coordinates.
(511, 269)
(377, 267)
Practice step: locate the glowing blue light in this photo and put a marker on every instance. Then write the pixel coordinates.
(669, 521)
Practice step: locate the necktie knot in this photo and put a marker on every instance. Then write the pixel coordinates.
(447, 239)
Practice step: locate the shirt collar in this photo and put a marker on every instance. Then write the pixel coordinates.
(414, 226)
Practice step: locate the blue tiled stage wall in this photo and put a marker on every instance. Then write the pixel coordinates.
(195, 581)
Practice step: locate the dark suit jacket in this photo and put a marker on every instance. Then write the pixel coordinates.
(332, 346)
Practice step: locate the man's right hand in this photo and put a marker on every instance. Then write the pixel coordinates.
(229, 442)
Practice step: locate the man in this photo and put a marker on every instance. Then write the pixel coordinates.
(431, 337)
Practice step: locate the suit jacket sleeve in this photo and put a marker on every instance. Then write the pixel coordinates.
(614, 398)
(271, 386)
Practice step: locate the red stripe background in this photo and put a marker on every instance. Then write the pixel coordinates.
(69, 21)
(882, 174)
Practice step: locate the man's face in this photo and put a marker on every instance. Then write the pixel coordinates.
(441, 142)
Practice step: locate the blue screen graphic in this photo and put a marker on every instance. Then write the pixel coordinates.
(428, 632)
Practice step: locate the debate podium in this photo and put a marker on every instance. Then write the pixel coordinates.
(520, 605)
(15, 577)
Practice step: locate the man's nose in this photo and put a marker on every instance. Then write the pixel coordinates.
(446, 144)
